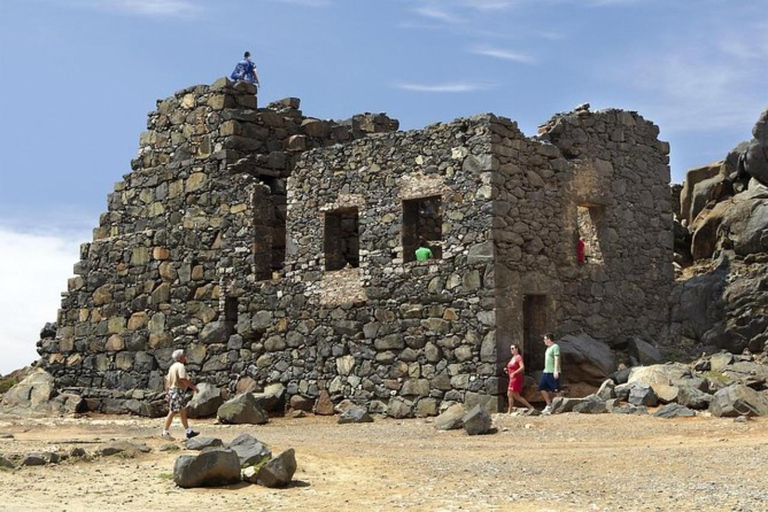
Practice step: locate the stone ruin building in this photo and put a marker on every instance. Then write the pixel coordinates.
(275, 247)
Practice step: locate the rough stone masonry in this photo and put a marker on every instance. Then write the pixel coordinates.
(275, 247)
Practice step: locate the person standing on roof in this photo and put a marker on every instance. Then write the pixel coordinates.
(245, 71)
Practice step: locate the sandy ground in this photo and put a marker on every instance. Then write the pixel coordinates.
(556, 463)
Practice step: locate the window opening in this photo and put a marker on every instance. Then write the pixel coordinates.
(588, 249)
(534, 327)
(422, 227)
(342, 239)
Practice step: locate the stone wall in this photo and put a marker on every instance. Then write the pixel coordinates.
(278, 248)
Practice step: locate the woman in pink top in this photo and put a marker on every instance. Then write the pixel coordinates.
(515, 368)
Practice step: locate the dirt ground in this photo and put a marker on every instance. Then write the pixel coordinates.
(565, 462)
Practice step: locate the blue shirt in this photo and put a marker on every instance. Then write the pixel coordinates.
(245, 71)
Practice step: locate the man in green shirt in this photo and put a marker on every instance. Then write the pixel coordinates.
(423, 253)
(550, 379)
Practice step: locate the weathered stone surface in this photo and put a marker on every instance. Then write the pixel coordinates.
(693, 398)
(324, 405)
(641, 395)
(242, 409)
(127, 447)
(205, 402)
(355, 415)
(561, 404)
(738, 400)
(476, 421)
(279, 471)
(213, 467)
(32, 393)
(250, 451)
(586, 359)
(272, 399)
(643, 353)
(199, 443)
(452, 418)
(674, 411)
(591, 406)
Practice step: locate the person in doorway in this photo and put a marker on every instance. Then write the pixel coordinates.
(245, 71)
(550, 379)
(423, 253)
(177, 383)
(581, 255)
(515, 370)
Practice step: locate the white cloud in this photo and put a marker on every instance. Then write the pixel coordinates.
(500, 53)
(436, 13)
(446, 87)
(700, 82)
(36, 267)
(152, 8)
(487, 5)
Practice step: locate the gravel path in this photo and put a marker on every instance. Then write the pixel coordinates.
(557, 463)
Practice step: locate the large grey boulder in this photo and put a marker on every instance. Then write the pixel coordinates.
(272, 399)
(561, 404)
(738, 400)
(693, 398)
(242, 409)
(279, 471)
(641, 395)
(250, 451)
(642, 352)
(607, 390)
(477, 421)
(213, 467)
(355, 415)
(452, 418)
(205, 402)
(586, 359)
(591, 405)
(666, 374)
(692, 178)
(31, 394)
(755, 161)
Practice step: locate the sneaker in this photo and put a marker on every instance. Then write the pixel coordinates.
(192, 433)
(167, 436)
(547, 410)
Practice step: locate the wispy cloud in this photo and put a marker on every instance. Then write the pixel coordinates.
(436, 13)
(499, 53)
(151, 8)
(488, 5)
(700, 82)
(36, 270)
(446, 87)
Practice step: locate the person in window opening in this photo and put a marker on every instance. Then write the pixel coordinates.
(581, 255)
(515, 370)
(550, 379)
(245, 71)
(423, 253)
(177, 382)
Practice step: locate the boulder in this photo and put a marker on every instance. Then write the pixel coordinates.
(629, 409)
(198, 443)
(36, 459)
(666, 393)
(592, 405)
(205, 402)
(242, 409)
(641, 395)
(302, 403)
(586, 359)
(642, 352)
(692, 178)
(279, 471)
(217, 466)
(693, 398)
(272, 399)
(674, 411)
(5, 463)
(738, 400)
(718, 362)
(754, 375)
(451, 418)
(250, 451)
(755, 161)
(399, 408)
(607, 390)
(355, 415)
(344, 405)
(31, 394)
(324, 405)
(658, 374)
(561, 404)
(477, 421)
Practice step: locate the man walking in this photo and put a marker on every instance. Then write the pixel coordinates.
(177, 382)
(550, 379)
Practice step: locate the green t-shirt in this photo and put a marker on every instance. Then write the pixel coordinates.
(549, 358)
(423, 254)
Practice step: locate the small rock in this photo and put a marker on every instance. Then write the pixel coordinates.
(477, 421)
(451, 419)
(355, 415)
(674, 411)
(279, 471)
(249, 450)
(198, 443)
(123, 446)
(35, 459)
(299, 414)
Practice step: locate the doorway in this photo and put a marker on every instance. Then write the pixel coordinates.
(534, 327)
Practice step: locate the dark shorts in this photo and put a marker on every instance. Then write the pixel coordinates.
(548, 382)
(177, 399)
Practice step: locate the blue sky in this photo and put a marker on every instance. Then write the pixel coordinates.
(77, 78)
